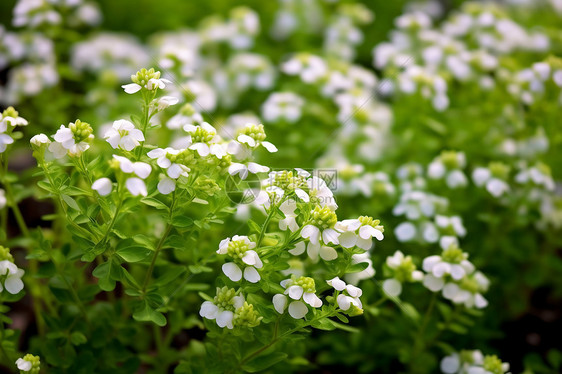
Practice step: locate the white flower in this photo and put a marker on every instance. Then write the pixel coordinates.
(151, 85)
(39, 140)
(124, 135)
(242, 170)
(314, 251)
(405, 231)
(359, 232)
(166, 185)
(439, 267)
(310, 68)
(3, 200)
(103, 186)
(136, 186)
(350, 297)
(203, 139)
(288, 208)
(174, 170)
(241, 250)
(5, 140)
(369, 271)
(454, 222)
(223, 313)
(495, 186)
(166, 101)
(450, 364)
(65, 141)
(392, 287)
(301, 290)
(11, 120)
(314, 234)
(251, 142)
(282, 106)
(141, 169)
(24, 365)
(12, 283)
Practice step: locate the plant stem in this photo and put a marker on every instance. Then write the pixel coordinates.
(62, 203)
(419, 344)
(160, 244)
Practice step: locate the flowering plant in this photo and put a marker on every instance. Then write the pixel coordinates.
(280, 188)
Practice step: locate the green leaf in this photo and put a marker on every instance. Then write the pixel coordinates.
(70, 202)
(155, 203)
(263, 362)
(196, 269)
(133, 253)
(324, 324)
(356, 268)
(147, 314)
(105, 279)
(254, 226)
(182, 221)
(77, 338)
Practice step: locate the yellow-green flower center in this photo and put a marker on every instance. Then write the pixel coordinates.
(323, 218)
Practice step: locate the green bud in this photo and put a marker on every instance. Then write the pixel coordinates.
(323, 218)
(35, 364)
(5, 254)
(255, 132)
(81, 131)
(306, 283)
(493, 364)
(499, 170)
(143, 76)
(450, 159)
(454, 255)
(246, 316)
(10, 112)
(369, 221)
(206, 186)
(225, 298)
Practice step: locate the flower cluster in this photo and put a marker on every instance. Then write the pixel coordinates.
(473, 362)
(230, 309)
(456, 277)
(10, 275)
(29, 364)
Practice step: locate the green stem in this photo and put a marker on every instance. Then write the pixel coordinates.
(33, 266)
(419, 344)
(145, 121)
(272, 211)
(62, 203)
(160, 245)
(114, 218)
(276, 338)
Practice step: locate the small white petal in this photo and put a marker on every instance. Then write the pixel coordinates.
(392, 287)
(225, 319)
(299, 249)
(131, 88)
(136, 186)
(295, 292)
(433, 283)
(337, 283)
(232, 271)
(311, 299)
(297, 309)
(209, 310)
(251, 274)
(279, 303)
(269, 146)
(166, 186)
(103, 186)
